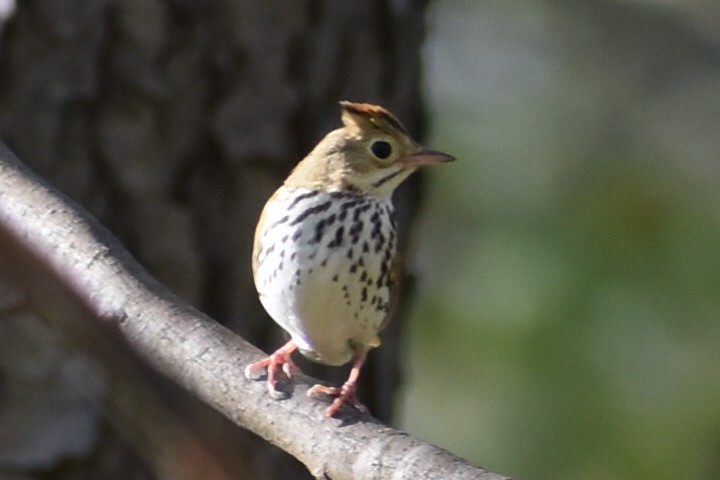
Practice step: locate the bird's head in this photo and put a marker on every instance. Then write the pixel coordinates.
(371, 154)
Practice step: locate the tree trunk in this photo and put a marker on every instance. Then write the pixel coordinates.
(172, 122)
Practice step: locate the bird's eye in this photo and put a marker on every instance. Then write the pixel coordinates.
(381, 149)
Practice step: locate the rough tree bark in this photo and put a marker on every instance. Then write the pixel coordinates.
(172, 121)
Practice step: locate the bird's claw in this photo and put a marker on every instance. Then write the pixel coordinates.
(344, 394)
(275, 393)
(289, 368)
(255, 371)
(271, 365)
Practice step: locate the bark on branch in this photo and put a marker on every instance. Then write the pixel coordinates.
(44, 231)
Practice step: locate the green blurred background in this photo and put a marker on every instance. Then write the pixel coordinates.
(567, 325)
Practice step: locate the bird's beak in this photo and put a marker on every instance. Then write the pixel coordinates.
(426, 157)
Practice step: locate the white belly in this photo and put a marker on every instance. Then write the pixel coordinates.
(324, 275)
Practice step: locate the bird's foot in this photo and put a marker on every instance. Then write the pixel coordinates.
(280, 360)
(344, 394)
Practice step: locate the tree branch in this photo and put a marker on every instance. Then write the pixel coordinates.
(96, 275)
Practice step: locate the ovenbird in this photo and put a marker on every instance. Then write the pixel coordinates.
(325, 244)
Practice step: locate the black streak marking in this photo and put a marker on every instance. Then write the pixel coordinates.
(319, 230)
(350, 205)
(387, 178)
(391, 215)
(359, 211)
(302, 197)
(281, 221)
(356, 228)
(311, 211)
(393, 121)
(337, 195)
(380, 243)
(337, 241)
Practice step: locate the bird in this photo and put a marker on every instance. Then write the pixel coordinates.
(325, 243)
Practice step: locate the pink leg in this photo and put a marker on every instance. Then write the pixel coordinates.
(344, 394)
(280, 359)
